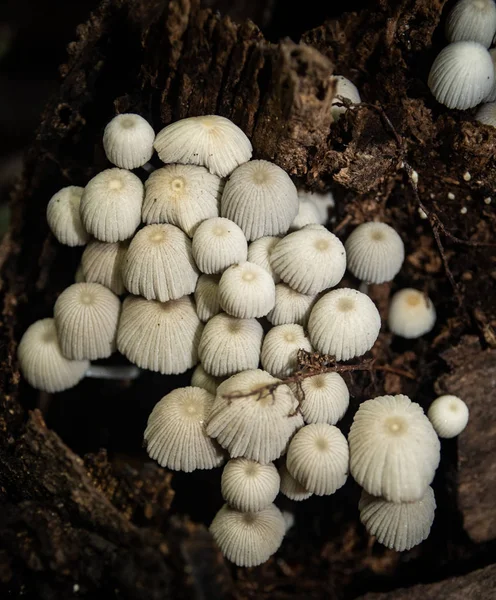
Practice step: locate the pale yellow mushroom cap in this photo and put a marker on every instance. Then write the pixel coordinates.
(246, 291)
(64, 219)
(128, 141)
(325, 398)
(280, 349)
(291, 306)
(249, 486)
(448, 415)
(411, 314)
(102, 262)
(217, 244)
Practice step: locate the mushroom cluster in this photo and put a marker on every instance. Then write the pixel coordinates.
(216, 262)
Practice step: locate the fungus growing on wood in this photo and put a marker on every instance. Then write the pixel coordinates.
(280, 348)
(325, 398)
(102, 262)
(472, 21)
(128, 141)
(248, 486)
(291, 306)
(260, 251)
(217, 244)
(448, 415)
(346, 89)
(202, 379)
(411, 314)
(64, 218)
(291, 488)
(207, 297)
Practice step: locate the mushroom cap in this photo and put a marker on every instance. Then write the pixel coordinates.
(323, 202)
(210, 141)
(399, 526)
(291, 306)
(128, 141)
(411, 314)
(217, 244)
(86, 317)
(325, 398)
(229, 345)
(111, 205)
(472, 21)
(310, 260)
(394, 450)
(102, 262)
(204, 380)
(318, 458)
(260, 251)
(346, 89)
(486, 114)
(182, 195)
(175, 434)
(344, 323)
(248, 486)
(64, 219)
(246, 291)
(291, 488)
(248, 539)
(374, 252)
(207, 297)
(280, 349)
(448, 415)
(257, 426)
(462, 75)
(269, 194)
(159, 264)
(42, 362)
(160, 336)
(491, 97)
(308, 214)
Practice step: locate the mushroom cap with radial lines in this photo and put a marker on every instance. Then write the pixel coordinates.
(318, 458)
(229, 345)
(128, 141)
(280, 349)
(325, 398)
(248, 486)
(111, 205)
(210, 141)
(260, 251)
(486, 114)
(448, 415)
(344, 323)
(399, 526)
(394, 450)
(491, 97)
(102, 262)
(86, 317)
(175, 434)
(291, 306)
(346, 89)
(207, 297)
(411, 314)
(182, 195)
(374, 252)
(248, 539)
(261, 198)
(462, 75)
(217, 244)
(42, 362)
(308, 214)
(246, 291)
(323, 202)
(160, 336)
(257, 426)
(472, 21)
(159, 264)
(310, 260)
(204, 380)
(64, 218)
(291, 488)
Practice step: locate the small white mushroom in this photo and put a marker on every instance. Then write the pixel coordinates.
(202, 379)
(308, 214)
(472, 21)
(280, 349)
(411, 314)
(218, 243)
(346, 89)
(128, 141)
(102, 262)
(260, 251)
(207, 297)
(64, 219)
(491, 97)
(323, 202)
(291, 306)
(325, 398)
(248, 486)
(486, 114)
(448, 415)
(291, 488)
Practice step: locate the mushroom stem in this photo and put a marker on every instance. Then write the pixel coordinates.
(113, 372)
(148, 167)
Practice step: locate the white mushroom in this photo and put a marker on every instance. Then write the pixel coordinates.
(346, 89)
(207, 297)
(280, 349)
(411, 314)
(128, 141)
(291, 306)
(472, 21)
(102, 262)
(217, 244)
(325, 398)
(248, 486)
(260, 251)
(64, 219)
(448, 415)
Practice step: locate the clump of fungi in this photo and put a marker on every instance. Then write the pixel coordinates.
(217, 262)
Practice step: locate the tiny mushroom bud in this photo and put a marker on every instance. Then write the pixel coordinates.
(204, 380)
(472, 21)
(323, 202)
(448, 415)
(346, 89)
(218, 243)
(128, 141)
(411, 314)
(260, 251)
(280, 349)
(64, 219)
(308, 214)
(291, 488)
(207, 297)
(486, 114)
(102, 262)
(325, 398)
(249, 486)
(291, 306)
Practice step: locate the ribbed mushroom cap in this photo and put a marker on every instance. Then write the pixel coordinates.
(210, 141)
(291, 306)
(472, 21)
(128, 141)
(160, 336)
(346, 89)
(248, 539)
(491, 97)
(308, 214)
(411, 314)
(260, 251)
(261, 198)
(318, 458)
(86, 316)
(159, 264)
(102, 262)
(448, 415)
(323, 202)
(111, 205)
(79, 275)
(310, 260)
(394, 450)
(257, 426)
(344, 323)
(399, 526)
(217, 244)
(207, 297)
(229, 345)
(462, 75)
(64, 219)
(280, 349)
(247, 290)
(204, 380)
(486, 114)
(175, 435)
(325, 398)
(374, 252)
(248, 486)
(182, 195)
(42, 362)
(291, 488)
